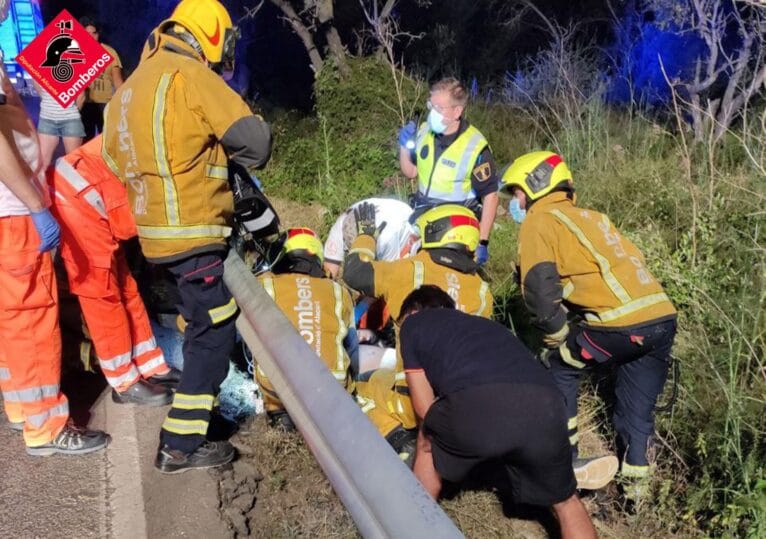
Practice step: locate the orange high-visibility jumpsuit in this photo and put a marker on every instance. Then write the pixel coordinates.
(30, 340)
(91, 206)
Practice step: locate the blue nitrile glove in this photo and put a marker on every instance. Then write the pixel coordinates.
(407, 135)
(47, 228)
(482, 254)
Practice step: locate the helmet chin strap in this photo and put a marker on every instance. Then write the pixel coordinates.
(181, 33)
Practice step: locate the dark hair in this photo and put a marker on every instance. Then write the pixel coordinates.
(90, 21)
(426, 297)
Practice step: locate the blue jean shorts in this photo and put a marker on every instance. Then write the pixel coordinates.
(61, 128)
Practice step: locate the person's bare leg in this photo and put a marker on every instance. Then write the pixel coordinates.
(48, 144)
(72, 143)
(573, 519)
(423, 468)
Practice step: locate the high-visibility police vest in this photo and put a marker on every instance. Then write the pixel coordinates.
(449, 178)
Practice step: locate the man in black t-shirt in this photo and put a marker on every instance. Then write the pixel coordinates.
(480, 395)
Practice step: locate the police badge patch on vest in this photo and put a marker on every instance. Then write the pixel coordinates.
(482, 172)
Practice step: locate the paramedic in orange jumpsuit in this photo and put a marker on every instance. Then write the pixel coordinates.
(91, 205)
(30, 339)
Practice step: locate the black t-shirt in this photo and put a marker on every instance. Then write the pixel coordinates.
(484, 175)
(457, 351)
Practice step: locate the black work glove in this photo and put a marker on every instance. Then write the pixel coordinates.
(364, 215)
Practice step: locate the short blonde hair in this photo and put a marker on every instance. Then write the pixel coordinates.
(454, 88)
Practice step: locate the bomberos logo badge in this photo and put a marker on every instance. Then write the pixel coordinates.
(64, 59)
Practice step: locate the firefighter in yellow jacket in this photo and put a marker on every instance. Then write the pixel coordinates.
(574, 259)
(449, 236)
(168, 133)
(321, 310)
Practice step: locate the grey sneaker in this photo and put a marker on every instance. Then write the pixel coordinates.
(208, 455)
(593, 473)
(72, 440)
(17, 426)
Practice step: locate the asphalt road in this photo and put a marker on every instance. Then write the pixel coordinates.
(114, 493)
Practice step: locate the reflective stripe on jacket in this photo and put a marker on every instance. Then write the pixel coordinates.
(91, 205)
(321, 310)
(449, 179)
(577, 256)
(393, 281)
(169, 131)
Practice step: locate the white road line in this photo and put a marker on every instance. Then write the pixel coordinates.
(127, 518)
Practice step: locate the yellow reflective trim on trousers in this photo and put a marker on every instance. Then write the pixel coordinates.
(604, 267)
(628, 308)
(183, 401)
(185, 426)
(160, 151)
(183, 232)
(224, 312)
(574, 438)
(418, 274)
(567, 290)
(483, 289)
(340, 357)
(219, 172)
(572, 423)
(631, 470)
(363, 251)
(268, 285)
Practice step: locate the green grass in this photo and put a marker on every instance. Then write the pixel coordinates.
(696, 212)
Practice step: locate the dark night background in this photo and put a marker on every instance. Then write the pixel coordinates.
(274, 61)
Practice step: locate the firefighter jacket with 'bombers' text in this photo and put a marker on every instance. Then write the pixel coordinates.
(322, 312)
(576, 256)
(393, 281)
(169, 131)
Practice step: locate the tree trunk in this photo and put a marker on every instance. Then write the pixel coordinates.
(325, 14)
(303, 33)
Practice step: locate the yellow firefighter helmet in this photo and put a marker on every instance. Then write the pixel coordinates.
(449, 226)
(211, 26)
(535, 173)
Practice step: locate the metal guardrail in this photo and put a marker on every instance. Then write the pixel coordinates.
(379, 491)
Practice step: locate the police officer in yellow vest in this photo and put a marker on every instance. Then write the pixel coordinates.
(451, 159)
(449, 235)
(574, 259)
(168, 133)
(321, 310)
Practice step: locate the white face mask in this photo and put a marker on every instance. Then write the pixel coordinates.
(436, 122)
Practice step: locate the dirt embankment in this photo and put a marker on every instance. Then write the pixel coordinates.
(276, 489)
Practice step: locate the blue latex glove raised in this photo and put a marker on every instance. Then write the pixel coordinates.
(47, 229)
(407, 135)
(482, 254)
